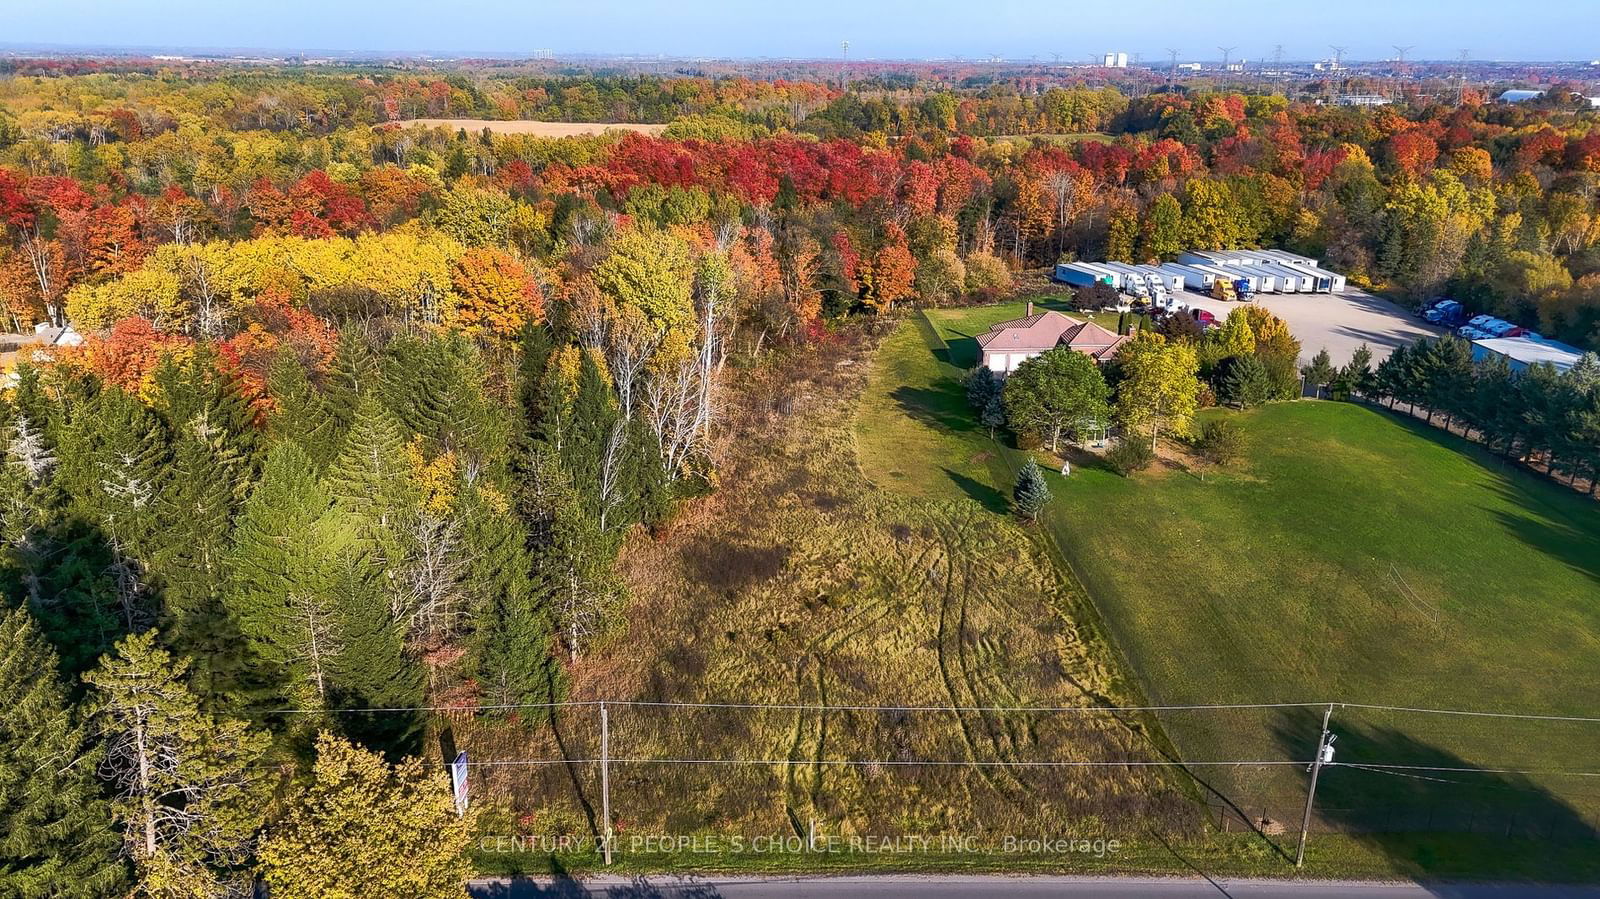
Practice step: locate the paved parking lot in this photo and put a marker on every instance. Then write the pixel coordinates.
(1338, 322)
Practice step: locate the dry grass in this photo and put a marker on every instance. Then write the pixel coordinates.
(537, 129)
(799, 584)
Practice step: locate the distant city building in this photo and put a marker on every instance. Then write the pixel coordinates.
(1520, 96)
(1361, 100)
(1116, 61)
(1189, 66)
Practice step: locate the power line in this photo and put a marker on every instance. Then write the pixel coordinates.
(812, 707)
(1377, 767)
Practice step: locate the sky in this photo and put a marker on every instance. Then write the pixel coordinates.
(876, 29)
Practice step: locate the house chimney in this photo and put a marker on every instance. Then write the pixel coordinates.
(1030, 308)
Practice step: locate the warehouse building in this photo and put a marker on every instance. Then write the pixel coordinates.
(1521, 352)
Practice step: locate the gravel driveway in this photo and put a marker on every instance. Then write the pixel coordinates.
(1338, 322)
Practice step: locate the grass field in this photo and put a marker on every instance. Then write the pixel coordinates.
(797, 586)
(1354, 556)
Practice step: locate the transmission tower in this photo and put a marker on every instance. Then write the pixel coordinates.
(1461, 86)
(1400, 68)
(1172, 73)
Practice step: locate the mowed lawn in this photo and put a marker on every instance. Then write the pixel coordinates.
(1355, 556)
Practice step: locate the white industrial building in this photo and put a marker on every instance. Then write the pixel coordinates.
(1116, 61)
(1267, 267)
(1521, 352)
(1262, 271)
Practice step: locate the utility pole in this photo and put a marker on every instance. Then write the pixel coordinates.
(605, 780)
(1324, 754)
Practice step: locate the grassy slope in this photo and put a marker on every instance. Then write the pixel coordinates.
(1354, 556)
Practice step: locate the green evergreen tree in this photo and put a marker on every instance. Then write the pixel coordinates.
(1320, 373)
(196, 514)
(278, 588)
(572, 554)
(369, 480)
(512, 627)
(534, 360)
(56, 834)
(1245, 382)
(1031, 494)
(368, 668)
(354, 373)
(198, 398)
(113, 459)
(191, 788)
(299, 412)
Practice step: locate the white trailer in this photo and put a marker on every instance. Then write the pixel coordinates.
(1169, 279)
(1296, 279)
(1193, 277)
(1287, 258)
(1102, 271)
(1326, 281)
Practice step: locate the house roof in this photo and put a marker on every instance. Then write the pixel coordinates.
(1039, 331)
(1093, 340)
(1048, 330)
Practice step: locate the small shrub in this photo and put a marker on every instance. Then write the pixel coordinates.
(1029, 439)
(1222, 441)
(1130, 455)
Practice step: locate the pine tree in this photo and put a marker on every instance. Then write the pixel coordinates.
(1031, 493)
(354, 374)
(1320, 372)
(510, 610)
(299, 413)
(197, 398)
(56, 835)
(537, 348)
(572, 554)
(114, 453)
(278, 589)
(1245, 382)
(369, 480)
(196, 512)
(368, 668)
(191, 789)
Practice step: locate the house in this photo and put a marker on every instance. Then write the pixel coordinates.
(1008, 344)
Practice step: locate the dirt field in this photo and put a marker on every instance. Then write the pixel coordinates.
(1336, 322)
(538, 129)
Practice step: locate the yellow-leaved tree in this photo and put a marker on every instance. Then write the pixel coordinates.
(364, 827)
(1159, 390)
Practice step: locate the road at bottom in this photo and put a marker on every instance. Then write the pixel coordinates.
(902, 887)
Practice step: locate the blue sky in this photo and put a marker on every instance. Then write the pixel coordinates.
(1561, 29)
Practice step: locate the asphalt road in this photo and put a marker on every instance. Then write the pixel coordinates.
(959, 886)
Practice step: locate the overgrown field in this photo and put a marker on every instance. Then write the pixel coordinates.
(798, 584)
(1354, 556)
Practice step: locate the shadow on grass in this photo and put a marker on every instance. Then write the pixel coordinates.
(1436, 817)
(1572, 547)
(989, 497)
(963, 352)
(1566, 527)
(944, 405)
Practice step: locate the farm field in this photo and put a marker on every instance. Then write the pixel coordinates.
(537, 129)
(1354, 556)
